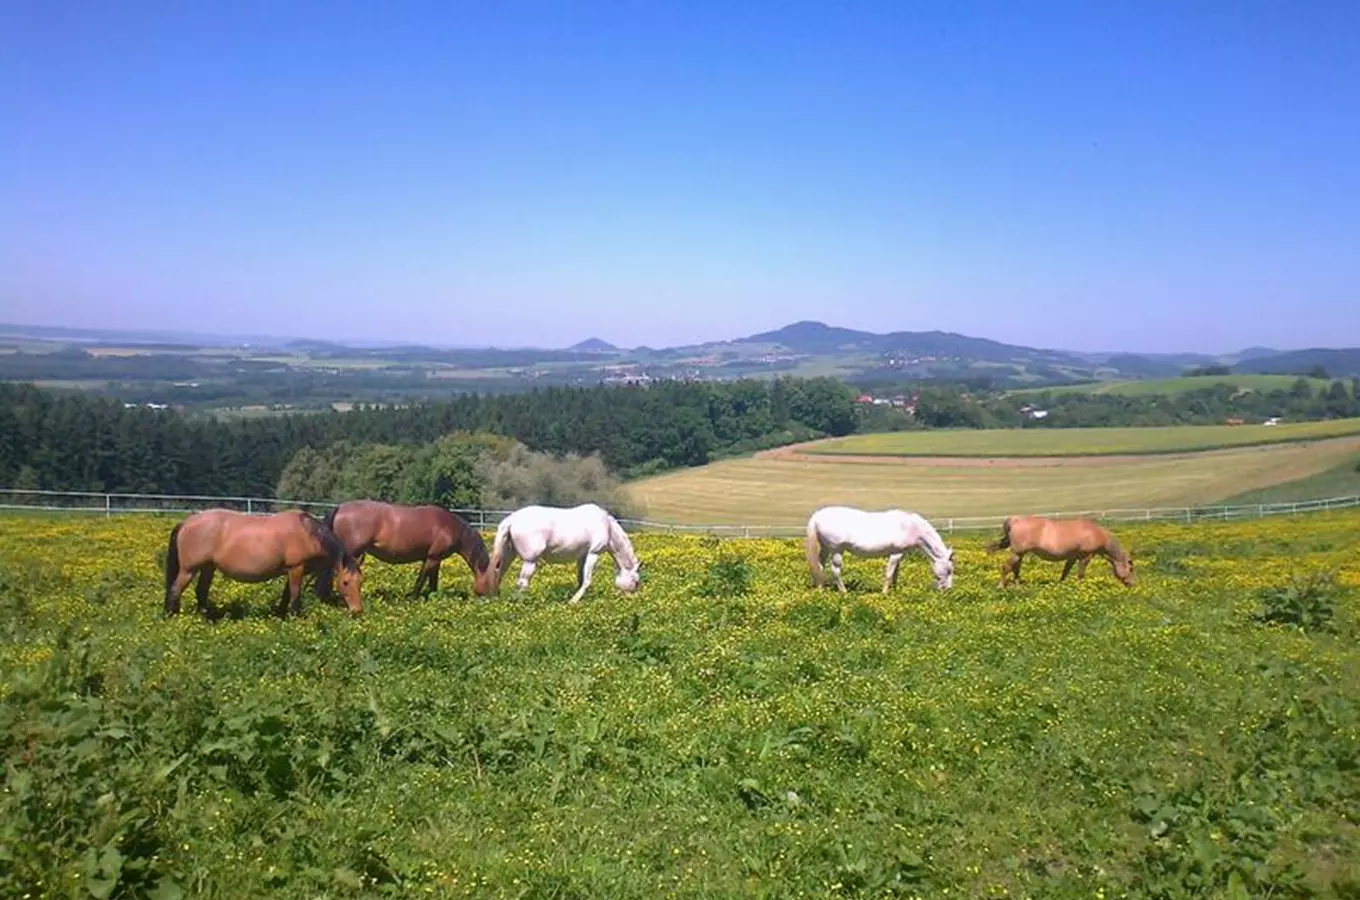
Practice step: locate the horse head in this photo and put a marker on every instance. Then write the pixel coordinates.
(1123, 569)
(627, 579)
(944, 571)
(350, 578)
(472, 547)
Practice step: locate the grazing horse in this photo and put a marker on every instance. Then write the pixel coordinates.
(1073, 540)
(408, 534)
(555, 534)
(255, 549)
(890, 533)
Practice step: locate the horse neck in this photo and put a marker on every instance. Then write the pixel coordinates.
(929, 539)
(1113, 549)
(473, 549)
(619, 543)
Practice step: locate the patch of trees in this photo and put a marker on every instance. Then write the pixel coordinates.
(458, 471)
(71, 441)
(1205, 406)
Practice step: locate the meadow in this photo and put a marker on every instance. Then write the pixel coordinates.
(1007, 442)
(726, 731)
(782, 488)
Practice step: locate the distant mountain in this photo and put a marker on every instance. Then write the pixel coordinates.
(593, 345)
(1339, 362)
(1254, 353)
(817, 338)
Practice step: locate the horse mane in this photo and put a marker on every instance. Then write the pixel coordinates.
(329, 542)
(473, 545)
(932, 543)
(618, 539)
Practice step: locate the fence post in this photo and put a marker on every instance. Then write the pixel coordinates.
(108, 506)
(250, 508)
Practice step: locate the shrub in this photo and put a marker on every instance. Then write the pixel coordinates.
(729, 576)
(522, 476)
(1307, 602)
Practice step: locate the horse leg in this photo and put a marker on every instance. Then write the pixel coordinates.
(422, 577)
(1010, 568)
(281, 610)
(294, 589)
(585, 568)
(205, 606)
(819, 578)
(434, 577)
(1081, 568)
(836, 560)
(526, 573)
(182, 579)
(1067, 568)
(890, 576)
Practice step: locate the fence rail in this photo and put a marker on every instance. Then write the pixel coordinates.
(109, 504)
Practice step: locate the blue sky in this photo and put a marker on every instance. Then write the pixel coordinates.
(1113, 175)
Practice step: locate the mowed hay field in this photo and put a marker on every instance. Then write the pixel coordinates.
(779, 488)
(724, 732)
(1005, 442)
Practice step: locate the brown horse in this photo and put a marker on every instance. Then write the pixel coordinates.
(1073, 540)
(255, 549)
(407, 534)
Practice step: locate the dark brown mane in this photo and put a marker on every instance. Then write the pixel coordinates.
(472, 545)
(330, 543)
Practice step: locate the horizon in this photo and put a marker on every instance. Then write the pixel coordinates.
(672, 176)
(88, 333)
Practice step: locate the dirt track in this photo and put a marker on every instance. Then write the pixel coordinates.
(792, 453)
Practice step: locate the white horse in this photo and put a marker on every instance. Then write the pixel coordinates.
(890, 533)
(555, 534)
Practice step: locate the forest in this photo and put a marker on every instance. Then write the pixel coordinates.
(444, 450)
(71, 441)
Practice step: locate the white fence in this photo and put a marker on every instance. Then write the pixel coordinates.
(121, 504)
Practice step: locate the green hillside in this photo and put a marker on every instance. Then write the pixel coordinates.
(1181, 385)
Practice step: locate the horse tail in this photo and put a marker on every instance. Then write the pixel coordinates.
(812, 545)
(172, 558)
(498, 552)
(1005, 541)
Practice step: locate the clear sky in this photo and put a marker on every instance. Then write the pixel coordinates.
(1084, 175)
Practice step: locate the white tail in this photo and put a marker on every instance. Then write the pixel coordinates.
(498, 553)
(813, 545)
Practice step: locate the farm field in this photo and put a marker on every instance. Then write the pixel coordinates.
(1004, 442)
(781, 488)
(1339, 481)
(1143, 387)
(690, 740)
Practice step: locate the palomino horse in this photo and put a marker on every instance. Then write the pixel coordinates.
(1073, 540)
(890, 533)
(554, 534)
(407, 534)
(255, 549)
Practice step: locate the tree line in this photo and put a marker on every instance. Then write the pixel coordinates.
(72, 441)
(966, 406)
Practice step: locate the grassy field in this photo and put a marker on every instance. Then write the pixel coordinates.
(775, 490)
(1143, 387)
(1002, 442)
(724, 732)
(1342, 480)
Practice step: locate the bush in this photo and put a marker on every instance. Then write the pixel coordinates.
(523, 476)
(729, 576)
(1307, 602)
